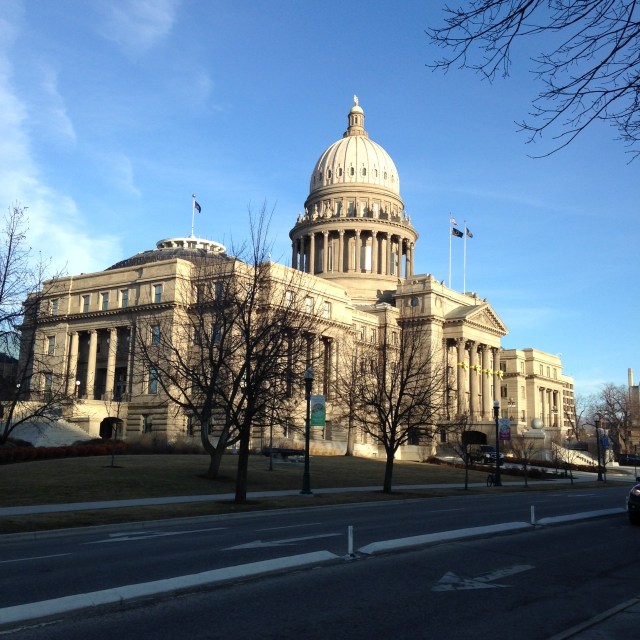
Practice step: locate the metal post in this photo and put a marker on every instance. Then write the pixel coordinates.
(271, 439)
(598, 448)
(497, 482)
(306, 477)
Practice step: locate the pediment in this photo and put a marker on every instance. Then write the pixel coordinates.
(481, 317)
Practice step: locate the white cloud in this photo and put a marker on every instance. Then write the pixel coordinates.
(118, 169)
(138, 25)
(50, 113)
(56, 229)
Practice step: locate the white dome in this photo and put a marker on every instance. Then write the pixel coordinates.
(355, 159)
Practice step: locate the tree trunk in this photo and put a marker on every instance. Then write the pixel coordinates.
(388, 471)
(351, 436)
(243, 465)
(215, 451)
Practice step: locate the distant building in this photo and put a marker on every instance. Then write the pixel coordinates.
(356, 245)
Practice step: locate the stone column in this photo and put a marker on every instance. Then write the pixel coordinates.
(73, 364)
(496, 372)
(294, 254)
(374, 252)
(389, 252)
(411, 263)
(91, 364)
(487, 404)
(111, 363)
(341, 251)
(462, 375)
(473, 379)
(325, 251)
(358, 262)
(312, 253)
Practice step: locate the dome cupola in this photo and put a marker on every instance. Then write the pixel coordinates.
(354, 229)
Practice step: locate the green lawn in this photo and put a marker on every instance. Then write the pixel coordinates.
(142, 476)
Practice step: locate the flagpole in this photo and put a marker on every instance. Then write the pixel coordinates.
(193, 212)
(464, 260)
(450, 225)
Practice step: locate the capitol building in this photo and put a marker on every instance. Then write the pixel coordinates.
(354, 247)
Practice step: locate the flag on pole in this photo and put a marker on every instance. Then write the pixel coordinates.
(452, 220)
(457, 233)
(468, 232)
(197, 207)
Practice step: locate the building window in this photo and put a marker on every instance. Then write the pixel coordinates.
(86, 301)
(394, 338)
(522, 393)
(155, 334)
(55, 303)
(326, 309)
(105, 300)
(503, 367)
(153, 381)
(124, 298)
(503, 392)
(541, 370)
(362, 333)
(147, 424)
(373, 335)
(288, 298)
(308, 304)
(218, 290)
(51, 345)
(190, 427)
(522, 367)
(48, 386)
(157, 293)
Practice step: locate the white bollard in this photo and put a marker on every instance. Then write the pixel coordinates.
(533, 514)
(350, 540)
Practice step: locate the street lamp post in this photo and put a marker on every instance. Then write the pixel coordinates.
(306, 477)
(598, 447)
(77, 389)
(497, 482)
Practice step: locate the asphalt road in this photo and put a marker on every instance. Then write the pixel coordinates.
(530, 585)
(54, 567)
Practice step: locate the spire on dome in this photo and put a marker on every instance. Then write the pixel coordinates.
(356, 121)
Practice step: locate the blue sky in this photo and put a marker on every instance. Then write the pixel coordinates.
(113, 113)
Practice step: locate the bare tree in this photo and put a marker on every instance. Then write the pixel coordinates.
(588, 63)
(33, 392)
(233, 349)
(615, 409)
(524, 449)
(575, 415)
(345, 386)
(400, 389)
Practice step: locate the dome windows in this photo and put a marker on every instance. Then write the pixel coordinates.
(352, 171)
(364, 171)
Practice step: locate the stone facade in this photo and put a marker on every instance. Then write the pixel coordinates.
(355, 247)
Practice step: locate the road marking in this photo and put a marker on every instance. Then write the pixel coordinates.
(144, 535)
(259, 544)
(452, 582)
(292, 526)
(54, 555)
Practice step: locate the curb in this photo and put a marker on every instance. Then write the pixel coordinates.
(119, 595)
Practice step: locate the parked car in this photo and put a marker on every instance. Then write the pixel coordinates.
(633, 505)
(629, 459)
(483, 453)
